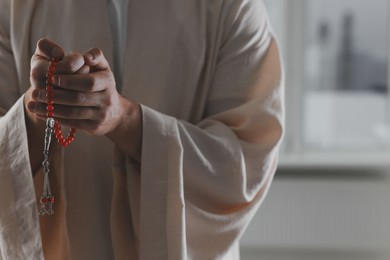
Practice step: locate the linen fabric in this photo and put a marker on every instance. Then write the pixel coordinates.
(208, 77)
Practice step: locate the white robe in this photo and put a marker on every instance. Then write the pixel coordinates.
(208, 76)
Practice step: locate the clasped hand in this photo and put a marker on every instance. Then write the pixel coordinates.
(85, 95)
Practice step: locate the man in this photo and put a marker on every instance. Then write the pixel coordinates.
(189, 94)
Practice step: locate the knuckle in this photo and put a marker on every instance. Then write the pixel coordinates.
(90, 83)
(80, 98)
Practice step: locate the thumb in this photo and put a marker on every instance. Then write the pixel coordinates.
(49, 50)
(96, 60)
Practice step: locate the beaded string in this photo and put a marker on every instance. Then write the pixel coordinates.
(50, 108)
(47, 199)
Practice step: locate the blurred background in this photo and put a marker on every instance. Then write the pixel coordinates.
(331, 195)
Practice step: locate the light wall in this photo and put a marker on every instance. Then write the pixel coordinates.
(322, 214)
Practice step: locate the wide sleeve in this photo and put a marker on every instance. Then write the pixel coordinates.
(201, 184)
(19, 226)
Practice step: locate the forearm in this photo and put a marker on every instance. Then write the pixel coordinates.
(127, 136)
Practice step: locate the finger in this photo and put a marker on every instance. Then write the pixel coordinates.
(82, 125)
(70, 98)
(39, 95)
(84, 70)
(66, 112)
(70, 64)
(95, 58)
(49, 49)
(34, 107)
(93, 82)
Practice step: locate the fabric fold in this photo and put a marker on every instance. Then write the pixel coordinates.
(162, 211)
(19, 225)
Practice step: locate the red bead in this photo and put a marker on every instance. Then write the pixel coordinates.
(51, 199)
(49, 88)
(70, 139)
(50, 108)
(44, 200)
(49, 81)
(50, 102)
(50, 114)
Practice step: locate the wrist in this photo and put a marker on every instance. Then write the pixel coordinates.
(127, 134)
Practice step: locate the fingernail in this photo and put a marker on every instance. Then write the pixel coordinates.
(56, 53)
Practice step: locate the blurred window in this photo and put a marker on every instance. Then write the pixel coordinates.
(345, 105)
(336, 54)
